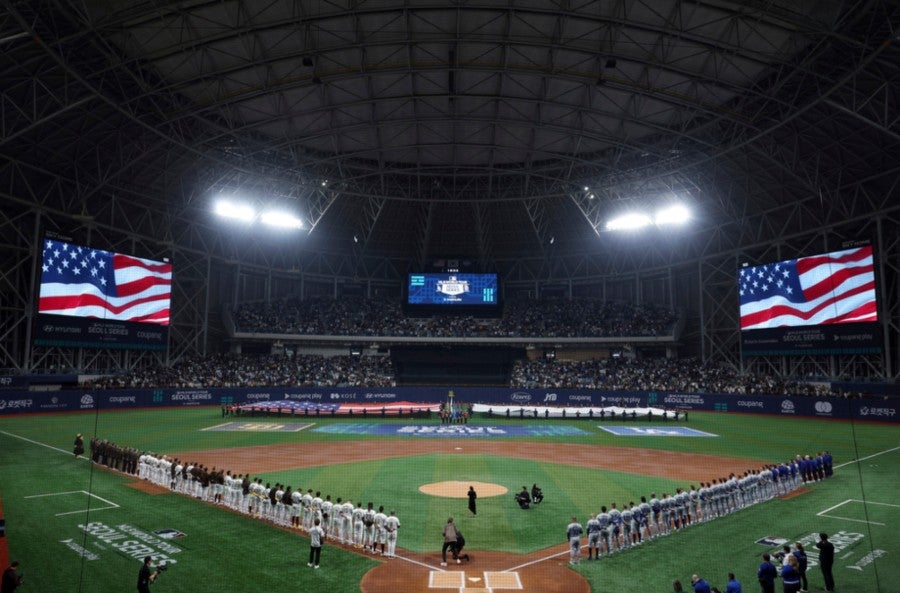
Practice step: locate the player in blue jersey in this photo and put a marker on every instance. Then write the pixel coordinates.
(573, 535)
(593, 533)
(604, 522)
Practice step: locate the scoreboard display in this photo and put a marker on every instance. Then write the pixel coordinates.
(446, 289)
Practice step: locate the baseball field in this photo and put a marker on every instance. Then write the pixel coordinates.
(74, 526)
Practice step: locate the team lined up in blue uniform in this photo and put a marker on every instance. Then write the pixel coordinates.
(614, 529)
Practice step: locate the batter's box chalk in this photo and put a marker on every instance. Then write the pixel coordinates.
(502, 580)
(446, 579)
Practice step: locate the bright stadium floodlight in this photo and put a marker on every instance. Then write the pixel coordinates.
(282, 220)
(676, 214)
(629, 221)
(241, 212)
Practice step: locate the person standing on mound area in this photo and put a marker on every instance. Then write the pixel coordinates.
(472, 496)
(451, 535)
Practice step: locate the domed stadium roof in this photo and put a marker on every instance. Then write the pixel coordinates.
(494, 131)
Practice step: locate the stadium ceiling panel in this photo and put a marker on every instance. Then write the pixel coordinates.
(482, 129)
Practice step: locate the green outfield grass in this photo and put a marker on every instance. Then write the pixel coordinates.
(45, 499)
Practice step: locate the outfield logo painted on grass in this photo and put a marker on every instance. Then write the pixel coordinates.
(259, 427)
(128, 541)
(453, 430)
(646, 431)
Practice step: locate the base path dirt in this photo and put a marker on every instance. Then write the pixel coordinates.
(148, 487)
(686, 467)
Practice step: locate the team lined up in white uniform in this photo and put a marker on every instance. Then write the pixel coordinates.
(363, 528)
(614, 529)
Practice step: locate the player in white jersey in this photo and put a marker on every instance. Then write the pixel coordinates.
(346, 526)
(259, 494)
(307, 510)
(328, 516)
(369, 528)
(280, 518)
(164, 469)
(392, 526)
(358, 526)
(380, 531)
(296, 508)
(177, 477)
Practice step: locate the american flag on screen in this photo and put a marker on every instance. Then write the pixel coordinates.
(83, 282)
(837, 287)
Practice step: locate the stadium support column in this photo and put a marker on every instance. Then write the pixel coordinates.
(702, 313)
(36, 250)
(888, 308)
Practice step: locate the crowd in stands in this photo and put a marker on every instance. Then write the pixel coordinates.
(650, 374)
(359, 316)
(227, 370)
(647, 374)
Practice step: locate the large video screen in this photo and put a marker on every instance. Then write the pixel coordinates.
(452, 289)
(822, 303)
(92, 297)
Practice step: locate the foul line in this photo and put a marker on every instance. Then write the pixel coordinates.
(849, 500)
(538, 561)
(422, 564)
(109, 502)
(867, 457)
(15, 436)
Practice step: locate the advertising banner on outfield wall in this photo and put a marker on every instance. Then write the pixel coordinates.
(884, 409)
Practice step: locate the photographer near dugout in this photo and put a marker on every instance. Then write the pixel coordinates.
(146, 576)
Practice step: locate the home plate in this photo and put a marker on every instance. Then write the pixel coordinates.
(457, 448)
(474, 579)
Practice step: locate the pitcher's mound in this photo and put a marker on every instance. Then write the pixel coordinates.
(455, 489)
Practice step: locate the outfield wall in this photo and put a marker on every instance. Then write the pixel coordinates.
(883, 409)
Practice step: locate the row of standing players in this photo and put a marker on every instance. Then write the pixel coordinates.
(615, 529)
(361, 527)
